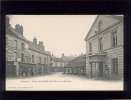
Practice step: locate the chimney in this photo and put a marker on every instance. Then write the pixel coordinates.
(19, 29)
(35, 41)
(41, 46)
(62, 55)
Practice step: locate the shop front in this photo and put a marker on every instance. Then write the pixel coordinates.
(97, 65)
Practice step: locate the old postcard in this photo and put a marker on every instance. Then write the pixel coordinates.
(64, 52)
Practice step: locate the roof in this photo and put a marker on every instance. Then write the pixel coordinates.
(30, 43)
(119, 17)
(36, 48)
(58, 60)
(67, 58)
(14, 32)
(113, 16)
(79, 61)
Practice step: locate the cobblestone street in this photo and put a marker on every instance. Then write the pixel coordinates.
(59, 81)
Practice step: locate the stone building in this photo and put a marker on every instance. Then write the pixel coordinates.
(66, 59)
(24, 57)
(76, 66)
(104, 48)
(57, 64)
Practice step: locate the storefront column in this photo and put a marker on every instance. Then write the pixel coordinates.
(97, 70)
(42, 69)
(17, 68)
(90, 70)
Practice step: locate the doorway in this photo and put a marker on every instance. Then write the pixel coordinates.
(100, 69)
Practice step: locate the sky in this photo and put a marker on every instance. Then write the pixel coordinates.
(59, 33)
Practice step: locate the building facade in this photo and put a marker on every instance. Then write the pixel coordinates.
(57, 64)
(24, 57)
(76, 66)
(66, 59)
(104, 48)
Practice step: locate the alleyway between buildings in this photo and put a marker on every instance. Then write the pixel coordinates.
(60, 81)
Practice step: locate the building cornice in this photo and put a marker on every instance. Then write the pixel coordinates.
(105, 51)
(112, 48)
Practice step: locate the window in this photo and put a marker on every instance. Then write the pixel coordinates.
(100, 44)
(40, 60)
(90, 47)
(114, 38)
(15, 56)
(22, 46)
(115, 65)
(22, 57)
(45, 60)
(32, 58)
(29, 60)
(100, 25)
(16, 44)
